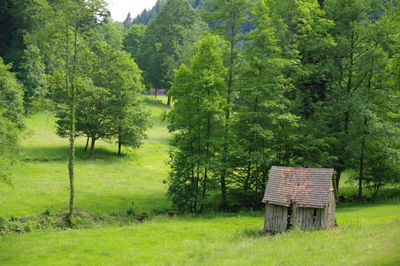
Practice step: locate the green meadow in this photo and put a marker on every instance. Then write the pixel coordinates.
(368, 234)
(107, 184)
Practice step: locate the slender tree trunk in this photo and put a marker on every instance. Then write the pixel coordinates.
(155, 93)
(169, 101)
(197, 187)
(119, 141)
(346, 118)
(224, 202)
(362, 156)
(207, 161)
(87, 143)
(198, 162)
(361, 172)
(192, 166)
(92, 144)
(247, 180)
(203, 194)
(119, 147)
(72, 120)
(335, 192)
(250, 148)
(338, 176)
(71, 135)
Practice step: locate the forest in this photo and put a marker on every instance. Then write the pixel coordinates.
(160, 131)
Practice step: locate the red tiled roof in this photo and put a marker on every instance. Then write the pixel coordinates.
(303, 187)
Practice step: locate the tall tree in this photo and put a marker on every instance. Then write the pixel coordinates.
(117, 72)
(196, 119)
(351, 68)
(262, 109)
(227, 18)
(65, 27)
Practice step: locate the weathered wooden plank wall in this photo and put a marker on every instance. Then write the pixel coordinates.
(275, 218)
(328, 219)
(307, 218)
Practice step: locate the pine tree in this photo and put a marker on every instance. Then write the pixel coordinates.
(128, 21)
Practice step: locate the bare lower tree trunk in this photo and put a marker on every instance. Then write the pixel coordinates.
(338, 176)
(155, 93)
(224, 201)
(334, 185)
(119, 144)
(361, 172)
(87, 143)
(92, 144)
(71, 135)
(71, 90)
(207, 162)
(169, 101)
(204, 190)
(362, 156)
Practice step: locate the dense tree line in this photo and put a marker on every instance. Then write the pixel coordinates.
(311, 85)
(251, 84)
(146, 15)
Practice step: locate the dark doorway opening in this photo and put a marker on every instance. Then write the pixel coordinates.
(290, 217)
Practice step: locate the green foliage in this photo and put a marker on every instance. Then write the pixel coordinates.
(196, 118)
(298, 88)
(133, 40)
(107, 184)
(262, 114)
(113, 33)
(146, 15)
(121, 77)
(161, 42)
(108, 105)
(33, 77)
(11, 113)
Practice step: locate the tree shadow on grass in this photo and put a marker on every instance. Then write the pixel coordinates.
(117, 203)
(61, 153)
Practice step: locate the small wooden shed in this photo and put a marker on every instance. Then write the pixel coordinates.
(299, 198)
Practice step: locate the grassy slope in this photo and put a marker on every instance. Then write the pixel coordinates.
(368, 234)
(106, 184)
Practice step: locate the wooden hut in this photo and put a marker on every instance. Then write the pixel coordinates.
(299, 198)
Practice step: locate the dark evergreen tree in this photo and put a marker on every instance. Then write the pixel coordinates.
(128, 21)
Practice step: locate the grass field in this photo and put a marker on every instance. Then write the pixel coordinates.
(368, 234)
(107, 184)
